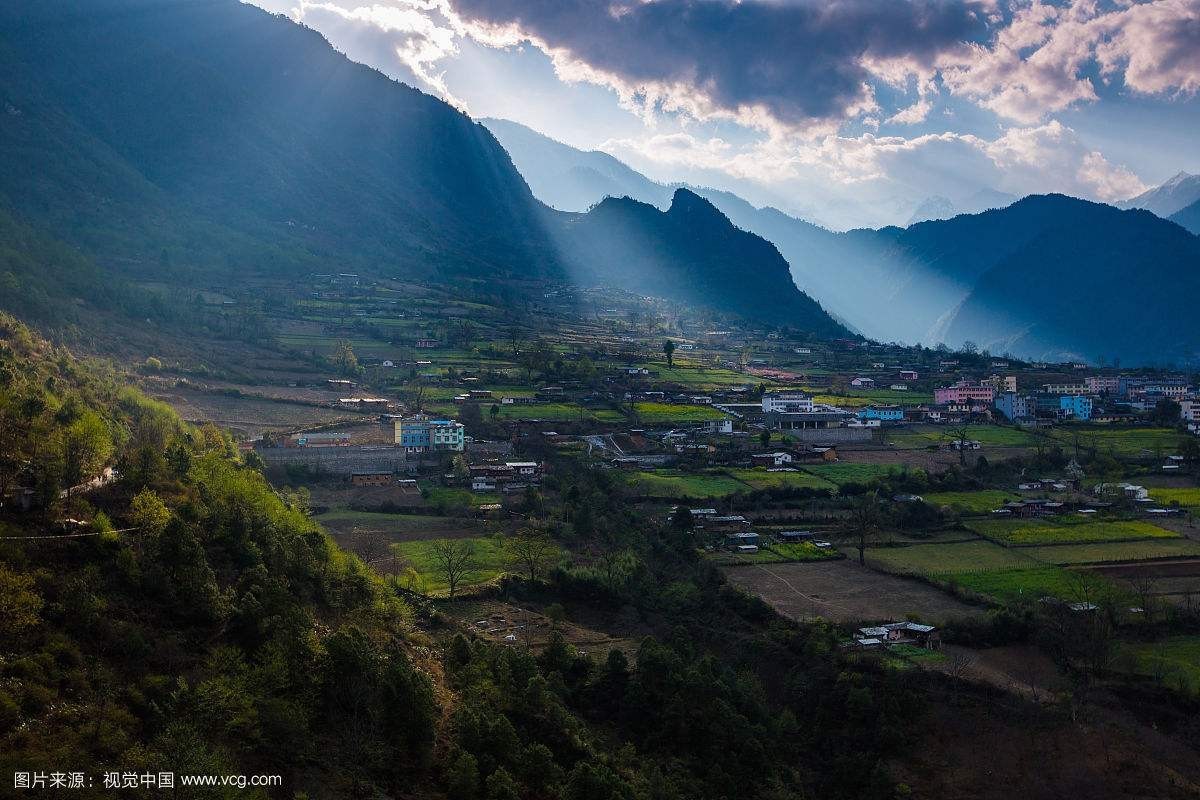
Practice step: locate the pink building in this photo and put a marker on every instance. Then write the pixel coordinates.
(963, 392)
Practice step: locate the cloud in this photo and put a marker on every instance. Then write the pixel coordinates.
(798, 66)
(1042, 61)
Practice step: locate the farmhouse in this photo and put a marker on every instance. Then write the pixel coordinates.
(371, 478)
(777, 459)
(892, 633)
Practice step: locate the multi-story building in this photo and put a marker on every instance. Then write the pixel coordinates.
(787, 403)
(1102, 384)
(964, 392)
(1016, 406)
(418, 435)
(1077, 406)
(1065, 388)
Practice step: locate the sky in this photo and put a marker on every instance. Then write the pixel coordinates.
(847, 112)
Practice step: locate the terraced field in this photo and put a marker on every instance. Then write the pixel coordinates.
(762, 479)
(654, 413)
(1067, 530)
(1118, 441)
(844, 472)
(971, 502)
(675, 484)
(942, 559)
(1034, 582)
(1104, 552)
(994, 435)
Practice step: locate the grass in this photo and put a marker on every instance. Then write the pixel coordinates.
(918, 655)
(777, 554)
(419, 556)
(674, 484)
(994, 435)
(762, 479)
(675, 412)
(1189, 497)
(942, 559)
(850, 473)
(974, 502)
(449, 498)
(1114, 551)
(1117, 441)
(1034, 582)
(394, 523)
(1174, 661)
(1067, 530)
(698, 377)
(553, 412)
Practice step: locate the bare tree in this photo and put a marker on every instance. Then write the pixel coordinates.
(455, 561)
(863, 524)
(532, 549)
(369, 545)
(961, 436)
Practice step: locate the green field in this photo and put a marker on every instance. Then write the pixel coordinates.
(777, 554)
(942, 559)
(994, 435)
(397, 524)
(1175, 661)
(450, 498)
(974, 502)
(1035, 582)
(850, 473)
(699, 377)
(762, 479)
(1067, 530)
(858, 399)
(554, 412)
(673, 483)
(1117, 441)
(675, 412)
(489, 555)
(1188, 497)
(1114, 551)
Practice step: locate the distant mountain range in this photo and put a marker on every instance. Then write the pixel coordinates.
(1189, 217)
(207, 140)
(938, 207)
(1170, 198)
(1049, 277)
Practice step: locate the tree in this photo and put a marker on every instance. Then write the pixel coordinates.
(669, 350)
(961, 436)
(764, 438)
(864, 523)
(344, 358)
(86, 447)
(533, 550)
(1167, 412)
(455, 561)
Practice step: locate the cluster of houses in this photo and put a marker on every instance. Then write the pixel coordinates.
(890, 634)
(505, 477)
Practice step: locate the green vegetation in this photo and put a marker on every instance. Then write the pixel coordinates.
(1174, 661)
(1011, 584)
(675, 484)
(851, 473)
(1188, 497)
(654, 413)
(995, 435)
(760, 478)
(972, 502)
(1067, 530)
(1116, 441)
(1114, 551)
(487, 561)
(777, 554)
(942, 559)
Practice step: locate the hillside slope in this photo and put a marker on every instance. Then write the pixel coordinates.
(692, 253)
(1189, 218)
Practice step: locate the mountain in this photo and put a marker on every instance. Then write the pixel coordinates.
(1094, 281)
(691, 252)
(1180, 191)
(1189, 217)
(569, 179)
(936, 207)
(206, 140)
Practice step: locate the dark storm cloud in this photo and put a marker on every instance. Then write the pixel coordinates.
(801, 60)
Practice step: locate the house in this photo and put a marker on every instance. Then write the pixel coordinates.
(371, 478)
(483, 483)
(736, 541)
(1036, 507)
(863, 383)
(893, 633)
(883, 413)
(1015, 406)
(718, 426)
(908, 375)
(525, 469)
(427, 344)
(794, 537)
(777, 459)
(899, 387)
(1075, 406)
(419, 435)
(338, 383)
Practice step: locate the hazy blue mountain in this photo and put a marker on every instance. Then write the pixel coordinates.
(1095, 281)
(1189, 217)
(1181, 191)
(693, 253)
(936, 207)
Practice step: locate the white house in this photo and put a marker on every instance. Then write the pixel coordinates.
(862, 383)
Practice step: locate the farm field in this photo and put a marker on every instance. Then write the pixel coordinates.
(1067, 530)
(1119, 441)
(675, 484)
(699, 377)
(842, 591)
(443, 497)
(653, 413)
(1114, 551)
(1175, 661)
(973, 502)
(845, 472)
(419, 556)
(554, 412)
(996, 435)
(777, 554)
(1188, 496)
(762, 479)
(1011, 584)
(399, 527)
(941, 559)
(859, 399)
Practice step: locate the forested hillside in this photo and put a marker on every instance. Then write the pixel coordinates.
(185, 617)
